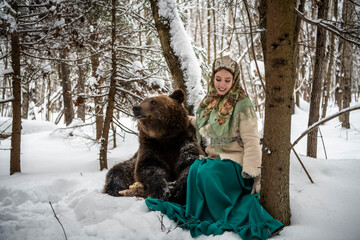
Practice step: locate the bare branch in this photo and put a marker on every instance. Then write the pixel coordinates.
(252, 46)
(322, 121)
(302, 164)
(7, 100)
(58, 220)
(327, 26)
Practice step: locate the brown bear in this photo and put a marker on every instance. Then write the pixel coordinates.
(167, 148)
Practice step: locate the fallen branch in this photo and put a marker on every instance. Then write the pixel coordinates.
(302, 164)
(322, 140)
(163, 228)
(58, 220)
(324, 120)
(313, 127)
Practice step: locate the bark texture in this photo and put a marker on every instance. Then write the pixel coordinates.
(347, 59)
(66, 85)
(314, 112)
(16, 103)
(163, 28)
(279, 90)
(112, 91)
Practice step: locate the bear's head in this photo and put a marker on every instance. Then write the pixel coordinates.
(162, 116)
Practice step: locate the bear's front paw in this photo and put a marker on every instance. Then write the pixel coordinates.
(135, 190)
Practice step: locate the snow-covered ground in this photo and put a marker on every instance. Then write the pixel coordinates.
(60, 167)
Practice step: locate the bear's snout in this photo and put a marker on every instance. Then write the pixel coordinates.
(137, 111)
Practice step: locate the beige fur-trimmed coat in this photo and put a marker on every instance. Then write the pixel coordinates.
(245, 150)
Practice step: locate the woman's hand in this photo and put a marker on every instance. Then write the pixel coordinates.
(256, 185)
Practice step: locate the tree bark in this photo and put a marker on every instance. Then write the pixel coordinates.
(296, 52)
(66, 85)
(25, 101)
(279, 89)
(327, 80)
(347, 59)
(317, 81)
(173, 62)
(163, 28)
(209, 32)
(214, 34)
(16, 103)
(80, 90)
(262, 24)
(112, 91)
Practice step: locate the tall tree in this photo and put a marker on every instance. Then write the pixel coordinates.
(66, 86)
(111, 97)
(333, 12)
(347, 60)
(314, 112)
(182, 63)
(279, 96)
(16, 103)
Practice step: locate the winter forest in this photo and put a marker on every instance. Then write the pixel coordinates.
(81, 65)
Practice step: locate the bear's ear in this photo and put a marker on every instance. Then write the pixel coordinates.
(178, 95)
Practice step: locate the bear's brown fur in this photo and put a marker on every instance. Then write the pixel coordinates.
(167, 148)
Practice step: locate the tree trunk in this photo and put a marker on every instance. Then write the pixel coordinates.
(279, 89)
(209, 32)
(214, 24)
(16, 103)
(80, 90)
(178, 72)
(338, 69)
(347, 59)
(163, 29)
(99, 117)
(25, 102)
(262, 24)
(47, 81)
(327, 80)
(66, 85)
(317, 81)
(112, 91)
(200, 14)
(296, 52)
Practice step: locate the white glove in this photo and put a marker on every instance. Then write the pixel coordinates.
(256, 185)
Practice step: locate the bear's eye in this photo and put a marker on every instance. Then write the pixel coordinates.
(153, 102)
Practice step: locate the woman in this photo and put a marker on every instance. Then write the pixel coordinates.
(221, 188)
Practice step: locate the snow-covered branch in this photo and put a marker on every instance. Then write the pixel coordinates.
(7, 100)
(330, 27)
(324, 120)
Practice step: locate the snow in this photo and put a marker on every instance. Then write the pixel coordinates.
(8, 71)
(181, 44)
(59, 23)
(60, 167)
(253, 70)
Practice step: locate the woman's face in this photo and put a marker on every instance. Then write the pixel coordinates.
(223, 80)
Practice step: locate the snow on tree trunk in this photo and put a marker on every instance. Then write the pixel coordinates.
(178, 51)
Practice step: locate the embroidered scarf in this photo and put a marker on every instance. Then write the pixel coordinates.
(216, 110)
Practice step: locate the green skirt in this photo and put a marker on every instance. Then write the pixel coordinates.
(218, 199)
